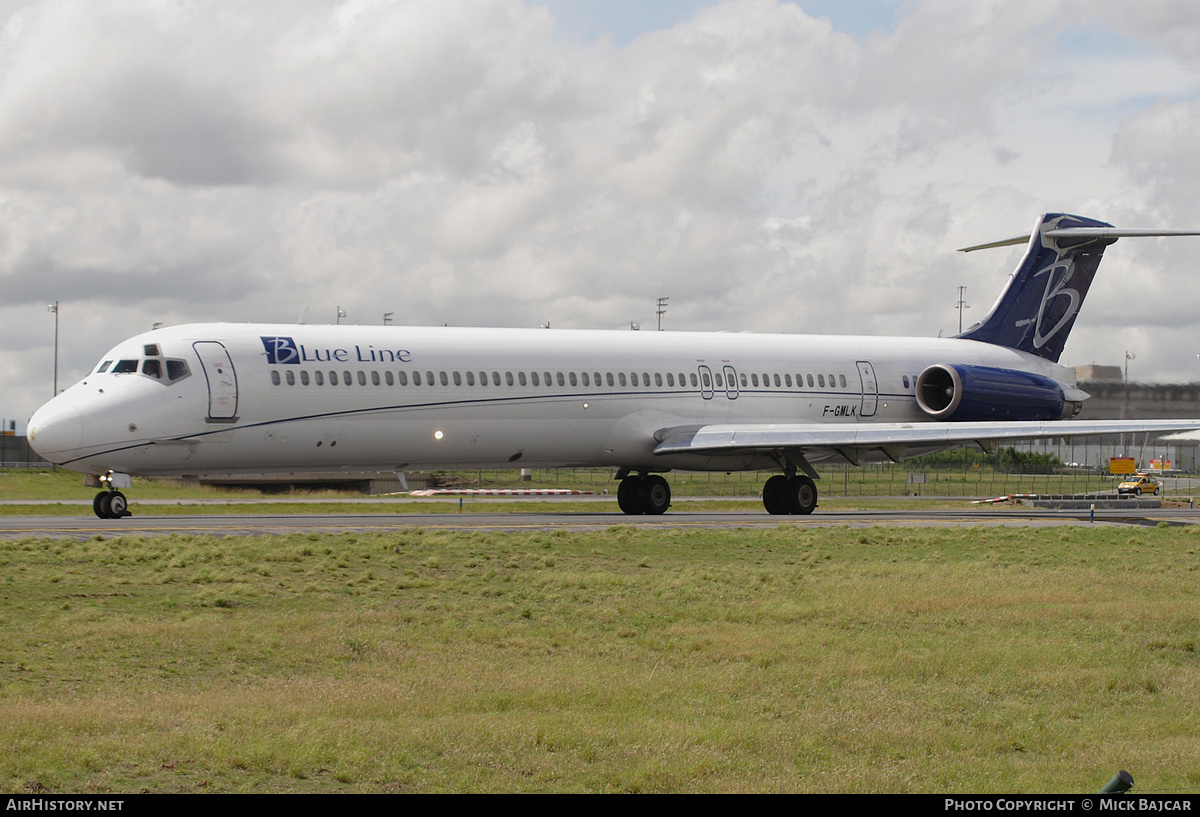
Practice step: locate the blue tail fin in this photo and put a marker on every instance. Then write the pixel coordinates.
(1037, 309)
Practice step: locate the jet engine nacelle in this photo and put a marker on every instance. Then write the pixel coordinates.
(957, 392)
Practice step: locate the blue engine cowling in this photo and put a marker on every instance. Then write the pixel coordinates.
(957, 392)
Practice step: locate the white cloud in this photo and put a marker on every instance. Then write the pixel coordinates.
(474, 162)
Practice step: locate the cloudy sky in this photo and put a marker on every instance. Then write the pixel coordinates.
(769, 166)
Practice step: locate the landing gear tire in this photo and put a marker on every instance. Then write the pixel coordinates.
(774, 495)
(644, 495)
(627, 496)
(111, 505)
(654, 495)
(797, 495)
(802, 495)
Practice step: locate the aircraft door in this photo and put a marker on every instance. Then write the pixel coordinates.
(222, 381)
(706, 382)
(731, 383)
(870, 389)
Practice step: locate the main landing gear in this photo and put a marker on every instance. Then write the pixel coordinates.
(650, 494)
(644, 493)
(791, 495)
(111, 505)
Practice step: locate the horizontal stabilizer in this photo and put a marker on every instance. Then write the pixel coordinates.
(1081, 232)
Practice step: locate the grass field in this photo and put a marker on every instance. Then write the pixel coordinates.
(786, 659)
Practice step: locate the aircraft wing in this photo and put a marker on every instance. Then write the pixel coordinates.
(853, 441)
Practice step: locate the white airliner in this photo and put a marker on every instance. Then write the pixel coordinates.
(213, 399)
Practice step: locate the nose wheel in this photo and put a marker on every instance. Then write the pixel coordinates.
(111, 505)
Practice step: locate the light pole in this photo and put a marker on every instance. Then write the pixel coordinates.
(1125, 403)
(341, 313)
(662, 309)
(54, 308)
(962, 304)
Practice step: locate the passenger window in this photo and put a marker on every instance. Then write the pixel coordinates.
(274, 377)
(777, 383)
(401, 376)
(442, 376)
(704, 377)
(374, 378)
(609, 378)
(533, 378)
(320, 378)
(586, 382)
(810, 380)
(428, 378)
(695, 382)
(304, 376)
(842, 380)
(348, 380)
(670, 379)
(508, 378)
(905, 379)
(621, 378)
(362, 377)
(333, 381)
(787, 379)
(291, 377)
(483, 378)
(388, 377)
(416, 378)
(470, 378)
(571, 378)
(821, 380)
(495, 378)
(597, 380)
(754, 378)
(717, 378)
(561, 381)
(521, 378)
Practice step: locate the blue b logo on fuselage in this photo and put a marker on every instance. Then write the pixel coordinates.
(281, 350)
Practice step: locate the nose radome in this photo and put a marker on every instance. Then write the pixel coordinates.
(55, 431)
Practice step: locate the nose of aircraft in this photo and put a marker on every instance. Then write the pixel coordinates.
(55, 430)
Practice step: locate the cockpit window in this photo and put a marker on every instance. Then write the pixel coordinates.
(177, 370)
(125, 367)
(103, 367)
(152, 367)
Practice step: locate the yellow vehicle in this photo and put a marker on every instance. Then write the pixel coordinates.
(1140, 484)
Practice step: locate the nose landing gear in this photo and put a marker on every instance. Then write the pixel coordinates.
(111, 505)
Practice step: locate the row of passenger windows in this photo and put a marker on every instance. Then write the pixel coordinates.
(614, 379)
